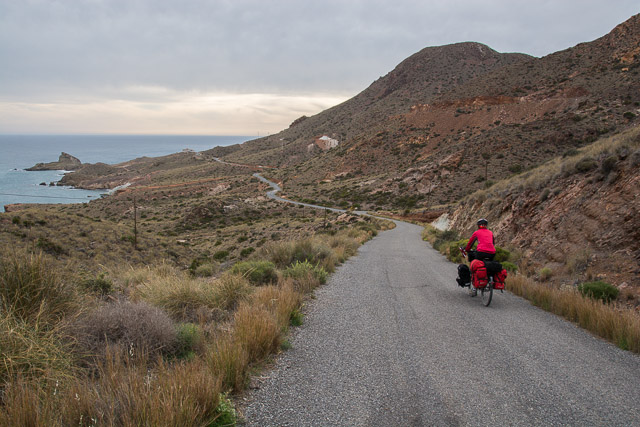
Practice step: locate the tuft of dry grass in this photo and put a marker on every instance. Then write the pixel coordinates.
(280, 300)
(32, 350)
(31, 289)
(616, 324)
(257, 330)
(184, 297)
(228, 359)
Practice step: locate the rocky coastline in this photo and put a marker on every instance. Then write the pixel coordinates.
(65, 162)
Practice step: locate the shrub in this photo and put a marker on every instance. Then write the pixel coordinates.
(220, 255)
(50, 247)
(599, 290)
(247, 251)
(128, 394)
(230, 290)
(545, 274)
(205, 270)
(586, 164)
(608, 164)
(31, 289)
(509, 266)
(137, 327)
(502, 255)
(258, 272)
(189, 339)
(516, 168)
(305, 272)
(310, 250)
(99, 285)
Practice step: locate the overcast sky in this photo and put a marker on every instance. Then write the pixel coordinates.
(243, 66)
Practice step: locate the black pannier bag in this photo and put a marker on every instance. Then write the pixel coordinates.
(464, 275)
(493, 267)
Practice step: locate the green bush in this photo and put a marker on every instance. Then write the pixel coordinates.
(454, 254)
(299, 270)
(599, 290)
(220, 255)
(502, 255)
(205, 270)
(98, 285)
(509, 266)
(189, 338)
(586, 164)
(247, 251)
(545, 274)
(258, 272)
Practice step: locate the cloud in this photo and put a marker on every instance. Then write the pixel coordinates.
(64, 52)
(165, 112)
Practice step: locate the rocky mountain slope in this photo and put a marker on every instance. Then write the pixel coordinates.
(576, 216)
(453, 119)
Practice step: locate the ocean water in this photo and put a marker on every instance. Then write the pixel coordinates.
(18, 152)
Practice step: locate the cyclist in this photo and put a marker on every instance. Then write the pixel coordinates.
(486, 249)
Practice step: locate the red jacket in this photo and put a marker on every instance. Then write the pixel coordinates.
(485, 239)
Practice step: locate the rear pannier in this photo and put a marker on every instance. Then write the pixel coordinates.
(479, 275)
(499, 279)
(464, 275)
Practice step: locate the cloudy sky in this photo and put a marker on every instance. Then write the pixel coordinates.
(243, 67)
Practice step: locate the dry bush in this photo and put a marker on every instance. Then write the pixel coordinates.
(138, 327)
(256, 329)
(32, 290)
(228, 359)
(616, 324)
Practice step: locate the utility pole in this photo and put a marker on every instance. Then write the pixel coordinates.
(135, 224)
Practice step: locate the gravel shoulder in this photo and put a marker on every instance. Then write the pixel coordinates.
(392, 341)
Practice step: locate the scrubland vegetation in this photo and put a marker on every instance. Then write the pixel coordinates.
(151, 345)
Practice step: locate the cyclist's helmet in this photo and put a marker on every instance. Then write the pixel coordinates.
(482, 222)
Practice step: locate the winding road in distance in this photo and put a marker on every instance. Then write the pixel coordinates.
(392, 341)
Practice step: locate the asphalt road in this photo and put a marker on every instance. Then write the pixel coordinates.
(392, 341)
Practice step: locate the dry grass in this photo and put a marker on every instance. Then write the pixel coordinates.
(125, 393)
(228, 359)
(541, 176)
(32, 290)
(280, 301)
(256, 328)
(616, 324)
(32, 350)
(185, 298)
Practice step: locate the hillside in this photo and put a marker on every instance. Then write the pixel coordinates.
(576, 215)
(418, 79)
(416, 138)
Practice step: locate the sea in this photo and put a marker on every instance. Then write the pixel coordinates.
(18, 152)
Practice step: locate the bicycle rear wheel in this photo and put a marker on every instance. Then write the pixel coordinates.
(487, 293)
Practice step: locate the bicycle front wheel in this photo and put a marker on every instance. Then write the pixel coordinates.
(487, 294)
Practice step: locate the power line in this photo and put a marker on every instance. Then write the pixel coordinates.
(45, 197)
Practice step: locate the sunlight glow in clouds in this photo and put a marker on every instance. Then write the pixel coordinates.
(164, 112)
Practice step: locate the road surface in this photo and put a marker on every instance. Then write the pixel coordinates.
(392, 341)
